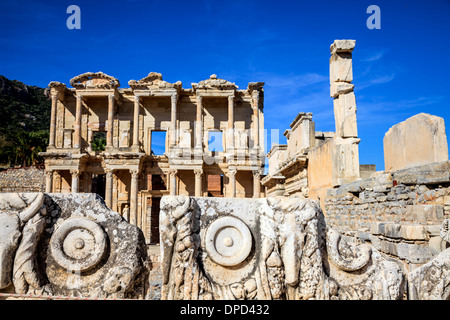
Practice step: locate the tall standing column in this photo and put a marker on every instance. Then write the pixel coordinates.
(136, 122)
(109, 187)
(231, 122)
(198, 182)
(48, 181)
(77, 126)
(173, 119)
(232, 177)
(109, 133)
(199, 124)
(256, 184)
(75, 180)
(173, 182)
(134, 196)
(255, 108)
(51, 139)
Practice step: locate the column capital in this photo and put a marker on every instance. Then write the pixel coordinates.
(54, 97)
(231, 98)
(198, 173)
(199, 98)
(110, 172)
(49, 173)
(75, 173)
(174, 97)
(172, 172)
(232, 172)
(134, 173)
(79, 96)
(111, 97)
(256, 173)
(137, 98)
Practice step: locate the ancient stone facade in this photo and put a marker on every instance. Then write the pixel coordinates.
(212, 146)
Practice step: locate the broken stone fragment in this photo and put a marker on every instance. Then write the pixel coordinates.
(342, 46)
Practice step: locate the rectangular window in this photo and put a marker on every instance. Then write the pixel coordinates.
(215, 142)
(158, 143)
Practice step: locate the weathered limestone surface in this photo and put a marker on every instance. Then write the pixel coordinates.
(432, 280)
(69, 245)
(399, 213)
(269, 248)
(416, 141)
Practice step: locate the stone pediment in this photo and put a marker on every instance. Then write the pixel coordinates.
(215, 83)
(153, 81)
(94, 80)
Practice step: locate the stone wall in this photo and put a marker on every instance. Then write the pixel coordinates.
(400, 213)
(29, 179)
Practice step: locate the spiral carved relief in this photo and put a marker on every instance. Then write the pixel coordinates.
(228, 241)
(79, 244)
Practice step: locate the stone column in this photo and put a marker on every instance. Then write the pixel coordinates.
(134, 195)
(109, 133)
(51, 139)
(75, 180)
(341, 88)
(345, 154)
(109, 187)
(48, 181)
(136, 122)
(173, 181)
(114, 192)
(255, 108)
(77, 126)
(199, 124)
(173, 120)
(231, 122)
(232, 181)
(198, 182)
(256, 184)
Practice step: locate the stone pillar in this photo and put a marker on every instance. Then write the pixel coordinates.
(173, 119)
(231, 122)
(109, 187)
(341, 88)
(232, 181)
(136, 122)
(256, 184)
(134, 196)
(109, 133)
(51, 139)
(198, 182)
(255, 108)
(75, 180)
(114, 192)
(199, 124)
(49, 181)
(173, 181)
(345, 156)
(77, 126)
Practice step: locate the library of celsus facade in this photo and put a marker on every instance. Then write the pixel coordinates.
(212, 135)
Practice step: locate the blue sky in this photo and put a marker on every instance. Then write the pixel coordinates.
(399, 70)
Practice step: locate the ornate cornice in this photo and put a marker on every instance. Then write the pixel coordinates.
(94, 80)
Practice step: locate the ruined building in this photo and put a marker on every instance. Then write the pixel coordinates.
(212, 134)
(312, 162)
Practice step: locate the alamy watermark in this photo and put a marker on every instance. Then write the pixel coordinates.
(374, 20)
(74, 20)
